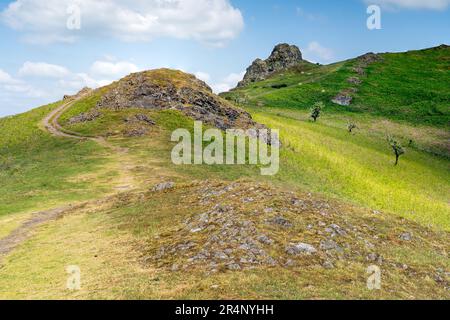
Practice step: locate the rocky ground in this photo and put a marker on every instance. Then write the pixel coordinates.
(345, 97)
(282, 57)
(170, 89)
(242, 226)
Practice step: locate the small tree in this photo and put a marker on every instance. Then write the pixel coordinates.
(397, 148)
(351, 126)
(316, 110)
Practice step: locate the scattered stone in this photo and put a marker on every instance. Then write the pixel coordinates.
(373, 257)
(135, 132)
(342, 99)
(234, 267)
(166, 89)
(300, 248)
(328, 245)
(85, 117)
(406, 236)
(334, 230)
(354, 80)
(140, 118)
(164, 186)
(328, 265)
(281, 222)
(265, 240)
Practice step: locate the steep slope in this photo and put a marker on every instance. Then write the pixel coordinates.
(157, 90)
(413, 87)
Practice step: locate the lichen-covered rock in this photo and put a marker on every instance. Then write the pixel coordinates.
(85, 117)
(283, 56)
(343, 99)
(165, 89)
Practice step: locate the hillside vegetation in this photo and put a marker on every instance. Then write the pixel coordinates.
(411, 87)
(337, 206)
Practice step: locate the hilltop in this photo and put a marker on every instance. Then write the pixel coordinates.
(411, 87)
(89, 181)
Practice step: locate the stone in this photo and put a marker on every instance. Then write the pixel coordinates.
(281, 222)
(166, 89)
(406, 236)
(354, 80)
(328, 265)
(301, 248)
(265, 240)
(328, 245)
(85, 117)
(342, 99)
(164, 186)
(282, 57)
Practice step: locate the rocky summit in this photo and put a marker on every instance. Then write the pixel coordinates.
(164, 89)
(283, 56)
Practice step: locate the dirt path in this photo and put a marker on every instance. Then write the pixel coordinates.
(125, 181)
(23, 232)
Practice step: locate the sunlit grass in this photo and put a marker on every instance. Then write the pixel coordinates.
(361, 169)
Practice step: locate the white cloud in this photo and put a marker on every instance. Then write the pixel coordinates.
(228, 82)
(412, 4)
(210, 21)
(113, 69)
(42, 69)
(203, 76)
(316, 52)
(5, 78)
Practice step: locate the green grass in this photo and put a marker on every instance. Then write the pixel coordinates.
(410, 87)
(325, 158)
(319, 157)
(39, 171)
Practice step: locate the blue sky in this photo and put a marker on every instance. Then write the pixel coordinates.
(41, 59)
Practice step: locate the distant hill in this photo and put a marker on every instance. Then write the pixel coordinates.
(413, 86)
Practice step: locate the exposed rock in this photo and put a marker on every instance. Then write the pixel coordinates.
(82, 92)
(283, 56)
(328, 265)
(170, 89)
(164, 186)
(300, 248)
(406, 236)
(85, 117)
(354, 80)
(140, 118)
(329, 245)
(281, 222)
(369, 58)
(343, 99)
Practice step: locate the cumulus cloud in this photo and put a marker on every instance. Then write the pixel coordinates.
(316, 52)
(203, 76)
(5, 78)
(210, 21)
(228, 83)
(412, 4)
(15, 94)
(111, 69)
(42, 69)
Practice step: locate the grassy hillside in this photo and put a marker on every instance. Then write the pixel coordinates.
(39, 171)
(333, 188)
(412, 87)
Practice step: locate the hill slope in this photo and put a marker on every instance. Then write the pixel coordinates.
(337, 206)
(412, 87)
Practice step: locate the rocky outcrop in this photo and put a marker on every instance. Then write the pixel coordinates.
(82, 92)
(170, 89)
(283, 56)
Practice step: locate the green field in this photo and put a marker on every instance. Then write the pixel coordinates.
(110, 237)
